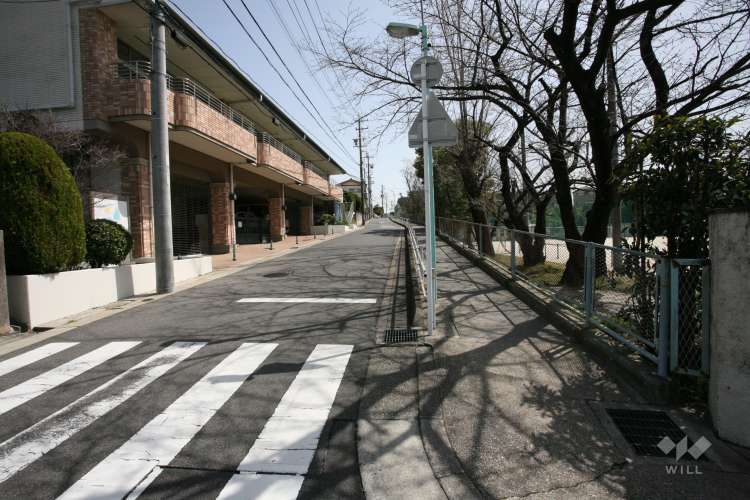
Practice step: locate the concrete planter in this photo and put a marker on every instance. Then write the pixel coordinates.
(330, 229)
(35, 299)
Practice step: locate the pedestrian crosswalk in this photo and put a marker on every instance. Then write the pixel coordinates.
(274, 466)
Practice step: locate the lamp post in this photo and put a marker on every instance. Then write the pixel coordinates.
(402, 30)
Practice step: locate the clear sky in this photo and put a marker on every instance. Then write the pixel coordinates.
(280, 25)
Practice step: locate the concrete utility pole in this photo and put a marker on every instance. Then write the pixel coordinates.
(382, 199)
(616, 216)
(160, 155)
(369, 187)
(361, 171)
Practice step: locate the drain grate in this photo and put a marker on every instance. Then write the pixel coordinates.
(644, 430)
(399, 335)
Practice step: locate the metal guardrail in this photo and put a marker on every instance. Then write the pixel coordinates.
(141, 70)
(655, 306)
(417, 250)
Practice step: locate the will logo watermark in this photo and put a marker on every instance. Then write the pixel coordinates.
(666, 445)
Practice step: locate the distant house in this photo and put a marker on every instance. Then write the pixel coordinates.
(350, 186)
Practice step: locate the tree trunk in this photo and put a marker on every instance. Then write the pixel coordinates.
(482, 231)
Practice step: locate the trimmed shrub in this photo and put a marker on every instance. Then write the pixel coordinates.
(327, 219)
(107, 242)
(40, 208)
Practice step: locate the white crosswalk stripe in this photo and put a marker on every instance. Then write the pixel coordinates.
(159, 441)
(16, 362)
(26, 391)
(24, 448)
(274, 468)
(290, 437)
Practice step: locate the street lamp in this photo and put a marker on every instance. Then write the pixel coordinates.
(402, 30)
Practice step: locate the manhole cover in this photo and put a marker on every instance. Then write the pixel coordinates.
(645, 429)
(398, 335)
(276, 275)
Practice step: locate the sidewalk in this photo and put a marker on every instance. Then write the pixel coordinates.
(251, 253)
(523, 406)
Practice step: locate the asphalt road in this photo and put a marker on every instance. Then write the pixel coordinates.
(173, 398)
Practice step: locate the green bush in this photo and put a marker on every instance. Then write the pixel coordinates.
(40, 208)
(107, 242)
(328, 219)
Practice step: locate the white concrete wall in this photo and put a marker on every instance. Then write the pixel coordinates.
(729, 385)
(330, 229)
(39, 298)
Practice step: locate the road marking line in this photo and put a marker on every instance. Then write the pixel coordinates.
(27, 446)
(306, 300)
(26, 391)
(160, 440)
(33, 356)
(261, 487)
(287, 443)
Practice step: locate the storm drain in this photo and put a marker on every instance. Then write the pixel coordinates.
(399, 335)
(646, 429)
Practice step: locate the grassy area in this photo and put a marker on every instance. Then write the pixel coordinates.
(550, 273)
(545, 273)
(622, 284)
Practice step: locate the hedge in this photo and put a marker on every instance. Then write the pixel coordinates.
(40, 208)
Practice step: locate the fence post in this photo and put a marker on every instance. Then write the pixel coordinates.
(662, 351)
(588, 280)
(674, 313)
(512, 254)
(479, 232)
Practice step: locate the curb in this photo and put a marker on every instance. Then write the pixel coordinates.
(631, 368)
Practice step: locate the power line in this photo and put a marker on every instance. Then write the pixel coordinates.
(279, 73)
(281, 59)
(322, 44)
(284, 26)
(236, 64)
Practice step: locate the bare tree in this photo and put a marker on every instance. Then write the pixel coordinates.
(85, 155)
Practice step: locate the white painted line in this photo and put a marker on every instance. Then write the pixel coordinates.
(33, 356)
(160, 440)
(26, 391)
(261, 487)
(305, 300)
(25, 447)
(288, 441)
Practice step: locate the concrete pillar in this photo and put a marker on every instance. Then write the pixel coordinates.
(221, 218)
(277, 218)
(729, 384)
(137, 185)
(305, 220)
(4, 314)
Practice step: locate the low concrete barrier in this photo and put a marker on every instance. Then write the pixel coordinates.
(36, 299)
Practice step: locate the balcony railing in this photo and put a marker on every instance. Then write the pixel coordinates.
(266, 138)
(141, 70)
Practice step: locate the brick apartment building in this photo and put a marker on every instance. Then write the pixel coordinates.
(88, 64)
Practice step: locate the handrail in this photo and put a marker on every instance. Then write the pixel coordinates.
(417, 252)
(141, 70)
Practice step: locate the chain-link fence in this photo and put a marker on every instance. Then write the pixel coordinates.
(689, 321)
(653, 305)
